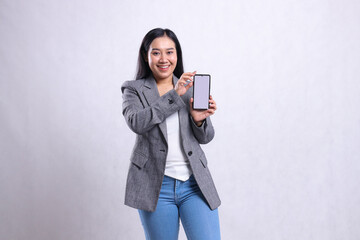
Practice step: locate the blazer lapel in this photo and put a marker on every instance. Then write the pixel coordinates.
(184, 113)
(151, 94)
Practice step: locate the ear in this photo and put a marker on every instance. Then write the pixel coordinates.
(145, 57)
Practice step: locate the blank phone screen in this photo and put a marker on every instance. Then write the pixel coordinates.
(201, 91)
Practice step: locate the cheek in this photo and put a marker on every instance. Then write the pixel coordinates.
(174, 59)
(151, 61)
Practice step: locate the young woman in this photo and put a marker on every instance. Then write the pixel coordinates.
(168, 176)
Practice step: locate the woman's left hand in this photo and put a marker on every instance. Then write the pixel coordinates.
(200, 115)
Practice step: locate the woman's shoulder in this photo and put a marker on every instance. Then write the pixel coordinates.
(133, 84)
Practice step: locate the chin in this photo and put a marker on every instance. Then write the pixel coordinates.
(164, 75)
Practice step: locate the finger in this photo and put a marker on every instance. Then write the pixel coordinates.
(210, 112)
(213, 106)
(187, 77)
(212, 102)
(187, 82)
(188, 74)
(184, 81)
(190, 78)
(188, 85)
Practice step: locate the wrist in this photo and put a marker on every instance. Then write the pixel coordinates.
(178, 92)
(199, 123)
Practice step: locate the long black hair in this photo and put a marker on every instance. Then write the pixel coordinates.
(143, 70)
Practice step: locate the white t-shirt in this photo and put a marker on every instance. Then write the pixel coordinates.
(177, 165)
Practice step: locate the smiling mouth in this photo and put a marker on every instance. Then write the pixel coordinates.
(164, 67)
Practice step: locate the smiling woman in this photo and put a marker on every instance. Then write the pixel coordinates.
(162, 61)
(168, 178)
(143, 68)
(162, 58)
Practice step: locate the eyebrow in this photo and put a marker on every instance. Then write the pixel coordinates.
(158, 49)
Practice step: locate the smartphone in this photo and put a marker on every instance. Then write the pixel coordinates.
(201, 91)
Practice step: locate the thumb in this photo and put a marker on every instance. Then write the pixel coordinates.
(191, 101)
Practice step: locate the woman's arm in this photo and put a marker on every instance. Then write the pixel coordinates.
(201, 123)
(141, 117)
(203, 133)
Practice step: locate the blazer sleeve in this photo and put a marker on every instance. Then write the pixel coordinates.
(141, 116)
(205, 133)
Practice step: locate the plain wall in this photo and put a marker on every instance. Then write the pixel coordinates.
(285, 75)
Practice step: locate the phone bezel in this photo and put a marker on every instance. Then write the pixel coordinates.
(194, 78)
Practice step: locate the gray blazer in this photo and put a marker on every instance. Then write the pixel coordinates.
(145, 113)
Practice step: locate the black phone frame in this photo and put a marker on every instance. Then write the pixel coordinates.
(194, 91)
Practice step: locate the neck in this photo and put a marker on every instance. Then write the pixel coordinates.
(165, 81)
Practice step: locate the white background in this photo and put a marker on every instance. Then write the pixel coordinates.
(285, 75)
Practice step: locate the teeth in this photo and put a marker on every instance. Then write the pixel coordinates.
(163, 66)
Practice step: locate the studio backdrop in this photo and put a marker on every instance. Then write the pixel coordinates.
(285, 76)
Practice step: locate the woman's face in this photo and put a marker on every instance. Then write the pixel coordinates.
(162, 57)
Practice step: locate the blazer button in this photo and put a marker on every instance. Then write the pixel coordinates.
(190, 153)
(170, 101)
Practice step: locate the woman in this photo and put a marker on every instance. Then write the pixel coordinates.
(168, 176)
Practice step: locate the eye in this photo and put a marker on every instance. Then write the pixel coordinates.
(155, 53)
(170, 52)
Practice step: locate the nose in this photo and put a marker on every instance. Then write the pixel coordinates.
(162, 58)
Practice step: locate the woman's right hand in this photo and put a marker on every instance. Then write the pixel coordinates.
(185, 82)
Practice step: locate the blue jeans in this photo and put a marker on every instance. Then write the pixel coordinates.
(182, 200)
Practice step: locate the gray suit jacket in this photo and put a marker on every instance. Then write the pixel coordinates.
(145, 113)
